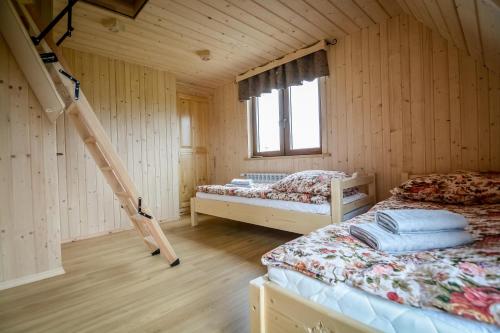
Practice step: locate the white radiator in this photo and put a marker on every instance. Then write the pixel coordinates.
(264, 177)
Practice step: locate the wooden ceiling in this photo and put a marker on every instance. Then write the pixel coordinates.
(240, 34)
(472, 25)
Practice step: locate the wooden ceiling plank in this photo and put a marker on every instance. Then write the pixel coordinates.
(249, 19)
(198, 40)
(424, 14)
(178, 22)
(489, 20)
(437, 18)
(316, 18)
(89, 25)
(373, 9)
(185, 77)
(198, 24)
(414, 10)
(470, 27)
(144, 58)
(335, 15)
(391, 7)
(450, 17)
(354, 12)
(192, 89)
(293, 18)
(240, 27)
(241, 40)
(182, 38)
(404, 7)
(278, 22)
(143, 47)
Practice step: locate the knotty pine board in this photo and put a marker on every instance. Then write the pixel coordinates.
(29, 217)
(136, 106)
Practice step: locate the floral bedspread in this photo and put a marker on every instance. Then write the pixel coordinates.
(263, 192)
(464, 281)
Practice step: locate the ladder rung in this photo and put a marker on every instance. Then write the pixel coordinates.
(122, 194)
(90, 139)
(105, 168)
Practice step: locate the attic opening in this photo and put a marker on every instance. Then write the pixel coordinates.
(129, 8)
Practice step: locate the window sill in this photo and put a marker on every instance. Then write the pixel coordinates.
(257, 158)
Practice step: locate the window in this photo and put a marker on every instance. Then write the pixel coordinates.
(287, 121)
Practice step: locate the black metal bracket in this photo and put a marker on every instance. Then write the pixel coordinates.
(77, 83)
(157, 251)
(68, 9)
(175, 263)
(49, 57)
(139, 210)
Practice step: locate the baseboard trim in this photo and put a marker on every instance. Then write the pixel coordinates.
(31, 278)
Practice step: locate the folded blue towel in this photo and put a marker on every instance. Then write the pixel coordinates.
(382, 240)
(408, 221)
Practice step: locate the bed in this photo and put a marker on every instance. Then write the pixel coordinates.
(303, 292)
(297, 217)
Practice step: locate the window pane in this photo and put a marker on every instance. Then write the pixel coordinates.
(304, 116)
(268, 122)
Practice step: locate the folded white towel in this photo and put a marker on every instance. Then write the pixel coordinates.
(379, 239)
(407, 221)
(237, 181)
(238, 185)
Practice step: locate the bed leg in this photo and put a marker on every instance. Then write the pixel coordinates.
(194, 214)
(256, 305)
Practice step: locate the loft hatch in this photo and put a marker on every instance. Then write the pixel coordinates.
(130, 8)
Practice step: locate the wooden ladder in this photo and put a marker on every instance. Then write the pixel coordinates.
(56, 94)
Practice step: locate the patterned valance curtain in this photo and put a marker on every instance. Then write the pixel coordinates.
(307, 68)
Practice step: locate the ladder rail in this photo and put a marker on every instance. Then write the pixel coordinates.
(29, 61)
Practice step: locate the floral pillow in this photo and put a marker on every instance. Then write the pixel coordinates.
(317, 182)
(460, 187)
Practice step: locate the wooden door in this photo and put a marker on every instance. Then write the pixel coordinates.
(192, 112)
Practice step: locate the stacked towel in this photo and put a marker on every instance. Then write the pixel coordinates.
(407, 221)
(241, 183)
(410, 230)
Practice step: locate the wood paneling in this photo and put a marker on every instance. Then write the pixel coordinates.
(193, 113)
(29, 217)
(111, 285)
(472, 25)
(136, 106)
(241, 34)
(399, 98)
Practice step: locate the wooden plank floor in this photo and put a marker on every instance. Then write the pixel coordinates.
(112, 284)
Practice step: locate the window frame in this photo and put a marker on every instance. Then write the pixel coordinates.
(285, 128)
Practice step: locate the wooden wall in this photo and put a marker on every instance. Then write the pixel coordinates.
(136, 105)
(29, 216)
(193, 118)
(399, 98)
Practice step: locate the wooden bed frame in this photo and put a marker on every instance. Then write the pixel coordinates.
(288, 220)
(276, 309)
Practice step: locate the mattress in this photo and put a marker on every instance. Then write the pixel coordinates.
(323, 209)
(372, 310)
